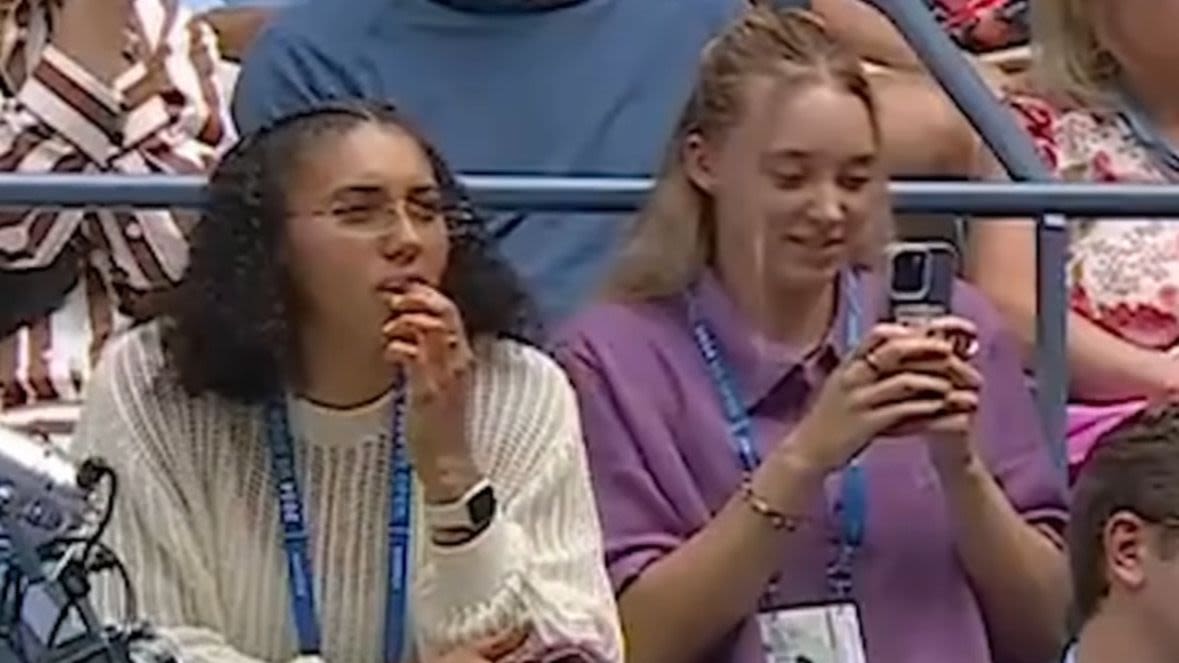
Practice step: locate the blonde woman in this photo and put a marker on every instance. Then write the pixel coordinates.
(1108, 112)
(779, 476)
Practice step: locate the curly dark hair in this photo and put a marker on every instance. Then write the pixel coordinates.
(231, 327)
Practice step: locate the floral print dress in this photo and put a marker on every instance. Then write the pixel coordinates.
(980, 26)
(1123, 274)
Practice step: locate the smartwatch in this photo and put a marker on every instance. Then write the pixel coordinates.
(466, 517)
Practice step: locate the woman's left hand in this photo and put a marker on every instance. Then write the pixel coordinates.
(487, 650)
(426, 338)
(950, 433)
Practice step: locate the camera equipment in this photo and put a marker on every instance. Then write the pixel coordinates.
(51, 527)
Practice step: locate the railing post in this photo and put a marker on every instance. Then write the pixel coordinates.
(1013, 148)
(1052, 331)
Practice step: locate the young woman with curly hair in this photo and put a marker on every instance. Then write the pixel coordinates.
(340, 396)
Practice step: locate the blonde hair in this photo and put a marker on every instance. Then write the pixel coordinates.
(673, 236)
(1070, 62)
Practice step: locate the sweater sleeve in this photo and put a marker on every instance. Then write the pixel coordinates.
(539, 566)
(133, 421)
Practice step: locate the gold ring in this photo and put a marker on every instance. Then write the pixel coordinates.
(867, 357)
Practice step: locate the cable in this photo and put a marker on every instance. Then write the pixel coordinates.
(18, 644)
(62, 614)
(11, 619)
(103, 560)
(106, 560)
(90, 473)
(78, 557)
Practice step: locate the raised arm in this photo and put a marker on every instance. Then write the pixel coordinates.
(679, 591)
(539, 566)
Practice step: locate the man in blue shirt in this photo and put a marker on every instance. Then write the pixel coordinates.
(236, 23)
(556, 87)
(1124, 544)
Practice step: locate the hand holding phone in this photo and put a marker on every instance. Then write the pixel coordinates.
(921, 291)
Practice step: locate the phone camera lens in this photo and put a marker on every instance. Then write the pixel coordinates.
(909, 269)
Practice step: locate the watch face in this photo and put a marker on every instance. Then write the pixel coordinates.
(482, 507)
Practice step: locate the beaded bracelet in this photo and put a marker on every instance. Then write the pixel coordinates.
(777, 519)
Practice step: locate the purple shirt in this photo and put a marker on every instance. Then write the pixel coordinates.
(663, 463)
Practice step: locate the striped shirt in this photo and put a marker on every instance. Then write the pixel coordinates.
(165, 114)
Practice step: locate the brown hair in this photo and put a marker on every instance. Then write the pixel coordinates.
(672, 239)
(1135, 469)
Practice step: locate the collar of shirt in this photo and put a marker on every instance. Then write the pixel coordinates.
(759, 364)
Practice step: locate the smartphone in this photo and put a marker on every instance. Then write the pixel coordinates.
(920, 281)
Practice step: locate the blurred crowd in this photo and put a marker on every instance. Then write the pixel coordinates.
(357, 418)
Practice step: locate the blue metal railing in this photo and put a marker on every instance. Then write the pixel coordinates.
(979, 199)
(624, 194)
(1034, 194)
(1012, 147)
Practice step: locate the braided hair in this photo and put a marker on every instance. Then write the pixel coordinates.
(232, 326)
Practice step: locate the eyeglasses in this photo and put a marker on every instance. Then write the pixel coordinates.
(372, 219)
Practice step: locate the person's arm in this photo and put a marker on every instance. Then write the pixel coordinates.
(682, 592)
(1018, 572)
(538, 567)
(861, 26)
(942, 142)
(77, 112)
(679, 593)
(156, 529)
(237, 27)
(686, 602)
(177, 122)
(1102, 367)
(1007, 502)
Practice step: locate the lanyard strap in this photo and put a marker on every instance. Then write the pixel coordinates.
(1146, 133)
(853, 503)
(295, 534)
(1070, 655)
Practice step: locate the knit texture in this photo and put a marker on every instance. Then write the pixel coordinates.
(196, 521)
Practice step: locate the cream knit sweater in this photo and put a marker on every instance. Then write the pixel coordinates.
(197, 525)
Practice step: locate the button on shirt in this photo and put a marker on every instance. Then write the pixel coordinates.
(663, 464)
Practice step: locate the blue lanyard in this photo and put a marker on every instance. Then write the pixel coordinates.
(1146, 133)
(295, 534)
(853, 500)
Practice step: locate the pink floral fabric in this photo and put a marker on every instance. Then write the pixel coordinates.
(980, 26)
(1123, 273)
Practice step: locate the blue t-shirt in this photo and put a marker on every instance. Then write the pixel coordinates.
(592, 87)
